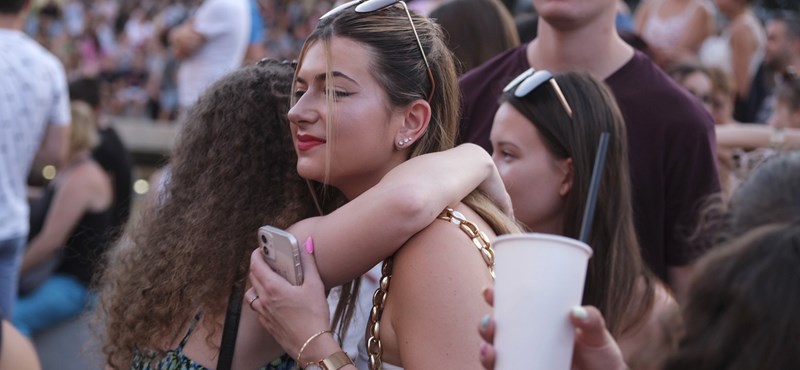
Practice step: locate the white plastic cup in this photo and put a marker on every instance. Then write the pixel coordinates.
(539, 279)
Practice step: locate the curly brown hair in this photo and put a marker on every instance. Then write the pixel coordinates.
(233, 170)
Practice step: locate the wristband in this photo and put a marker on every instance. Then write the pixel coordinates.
(335, 361)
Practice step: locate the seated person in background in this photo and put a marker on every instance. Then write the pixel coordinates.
(712, 88)
(743, 147)
(74, 215)
(110, 153)
(739, 48)
(723, 96)
(697, 80)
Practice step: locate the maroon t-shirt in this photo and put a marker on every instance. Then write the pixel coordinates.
(671, 144)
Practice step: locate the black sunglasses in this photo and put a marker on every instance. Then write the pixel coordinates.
(369, 6)
(531, 79)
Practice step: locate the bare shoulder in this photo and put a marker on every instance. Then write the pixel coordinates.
(742, 33)
(444, 243)
(89, 181)
(436, 285)
(88, 176)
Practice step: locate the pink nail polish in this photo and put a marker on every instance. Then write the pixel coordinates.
(484, 348)
(310, 245)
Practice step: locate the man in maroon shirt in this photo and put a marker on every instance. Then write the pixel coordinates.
(670, 136)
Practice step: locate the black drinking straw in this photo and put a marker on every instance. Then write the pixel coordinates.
(591, 198)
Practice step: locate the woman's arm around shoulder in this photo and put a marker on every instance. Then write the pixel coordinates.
(371, 227)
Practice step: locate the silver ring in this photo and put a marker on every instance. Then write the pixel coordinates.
(251, 302)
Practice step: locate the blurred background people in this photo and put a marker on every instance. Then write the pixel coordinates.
(211, 43)
(710, 85)
(723, 96)
(35, 117)
(674, 29)
(742, 147)
(781, 55)
(476, 30)
(696, 79)
(69, 224)
(110, 152)
(255, 47)
(739, 48)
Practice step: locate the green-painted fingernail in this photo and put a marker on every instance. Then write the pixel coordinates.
(485, 321)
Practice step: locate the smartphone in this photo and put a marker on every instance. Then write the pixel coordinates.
(281, 252)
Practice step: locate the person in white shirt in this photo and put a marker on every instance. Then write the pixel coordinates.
(211, 43)
(34, 126)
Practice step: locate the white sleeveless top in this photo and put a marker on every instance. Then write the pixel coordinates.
(663, 33)
(716, 50)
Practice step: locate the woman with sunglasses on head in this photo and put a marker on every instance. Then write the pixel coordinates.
(545, 137)
(167, 286)
(376, 86)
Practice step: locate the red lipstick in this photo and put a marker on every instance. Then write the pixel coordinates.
(306, 142)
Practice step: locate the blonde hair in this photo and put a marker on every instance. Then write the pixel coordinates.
(83, 132)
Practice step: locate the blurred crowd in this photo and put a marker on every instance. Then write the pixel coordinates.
(731, 62)
(126, 44)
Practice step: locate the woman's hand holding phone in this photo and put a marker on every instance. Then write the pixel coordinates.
(289, 313)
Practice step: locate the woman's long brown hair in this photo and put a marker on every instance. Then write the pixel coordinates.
(616, 266)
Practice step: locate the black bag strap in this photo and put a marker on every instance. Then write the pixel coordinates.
(231, 326)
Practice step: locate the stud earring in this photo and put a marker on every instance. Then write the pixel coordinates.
(404, 141)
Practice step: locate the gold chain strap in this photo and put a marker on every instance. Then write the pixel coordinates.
(374, 349)
(479, 239)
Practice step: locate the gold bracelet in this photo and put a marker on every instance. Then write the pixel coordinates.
(303, 347)
(335, 361)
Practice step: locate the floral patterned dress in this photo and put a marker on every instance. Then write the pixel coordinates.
(175, 359)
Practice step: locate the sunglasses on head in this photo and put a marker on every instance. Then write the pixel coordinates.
(370, 6)
(531, 79)
(266, 61)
